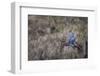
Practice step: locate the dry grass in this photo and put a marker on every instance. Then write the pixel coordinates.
(47, 36)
